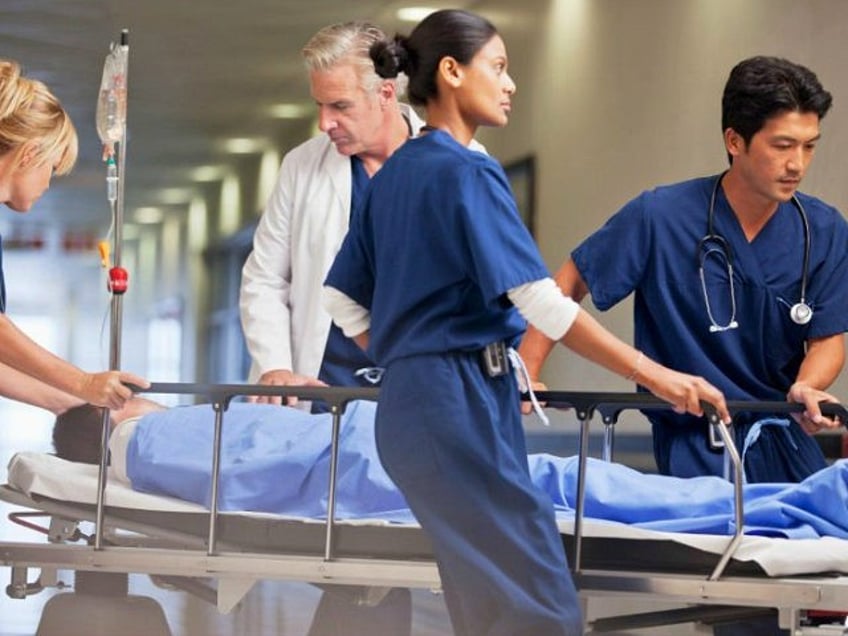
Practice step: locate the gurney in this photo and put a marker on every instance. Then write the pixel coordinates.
(186, 543)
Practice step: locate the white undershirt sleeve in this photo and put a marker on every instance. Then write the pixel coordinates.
(351, 317)
(119, 440)
(545, 307)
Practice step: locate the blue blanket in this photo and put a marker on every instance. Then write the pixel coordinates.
(276, 459)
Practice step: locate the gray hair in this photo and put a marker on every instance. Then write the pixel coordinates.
(348, 43)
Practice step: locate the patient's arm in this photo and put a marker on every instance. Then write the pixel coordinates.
(24, 388)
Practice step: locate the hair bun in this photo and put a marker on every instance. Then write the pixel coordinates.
(390, 57)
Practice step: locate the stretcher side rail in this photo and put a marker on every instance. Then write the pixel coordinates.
(610, 406)
(585, 404)
(220, 396)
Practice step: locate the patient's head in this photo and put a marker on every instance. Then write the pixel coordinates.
(77, 433)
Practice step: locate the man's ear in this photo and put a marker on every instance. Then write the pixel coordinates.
(734, 143)
(387, 93)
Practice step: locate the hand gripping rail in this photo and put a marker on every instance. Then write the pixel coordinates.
(610, 406)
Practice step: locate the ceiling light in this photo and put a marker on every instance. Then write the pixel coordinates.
(290, 111)
(208, 173)
(175, 196)
(148, 215)
(414, 14)
(244, 145)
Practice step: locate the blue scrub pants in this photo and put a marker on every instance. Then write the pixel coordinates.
(780, 454)
(451, 439)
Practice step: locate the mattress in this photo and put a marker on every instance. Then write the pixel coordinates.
(47, 482)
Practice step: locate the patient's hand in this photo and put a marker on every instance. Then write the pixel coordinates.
(283, 377)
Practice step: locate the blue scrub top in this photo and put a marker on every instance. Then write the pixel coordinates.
(650, 248)
(342, 356)
(433, 264)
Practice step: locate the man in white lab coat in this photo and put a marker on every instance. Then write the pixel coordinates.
(288, 333)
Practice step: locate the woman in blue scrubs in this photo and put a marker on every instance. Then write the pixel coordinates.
(37, 139)
(430, 280)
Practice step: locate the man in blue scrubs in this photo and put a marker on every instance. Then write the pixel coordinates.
(737, 277)
(737, 333)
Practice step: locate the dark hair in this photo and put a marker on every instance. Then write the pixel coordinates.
(450, 32)
(77, 434)
(761, 87)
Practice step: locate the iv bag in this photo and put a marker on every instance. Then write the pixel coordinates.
(112, 100)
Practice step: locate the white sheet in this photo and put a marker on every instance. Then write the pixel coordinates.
(50, 476)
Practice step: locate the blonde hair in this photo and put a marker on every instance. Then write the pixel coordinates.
(347, 43)
(30, 112)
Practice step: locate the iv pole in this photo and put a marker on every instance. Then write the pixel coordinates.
(112, 128)
(118, 277)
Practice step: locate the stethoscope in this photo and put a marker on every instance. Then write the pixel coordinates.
(714, 244)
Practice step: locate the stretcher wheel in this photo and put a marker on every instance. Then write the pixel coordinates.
(95, 615)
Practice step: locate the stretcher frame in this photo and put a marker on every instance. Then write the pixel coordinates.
(177, 555)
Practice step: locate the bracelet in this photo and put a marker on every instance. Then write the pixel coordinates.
(636, 366)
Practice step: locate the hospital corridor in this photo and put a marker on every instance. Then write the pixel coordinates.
(312, 255)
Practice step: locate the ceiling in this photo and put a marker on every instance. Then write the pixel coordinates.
(200, 72)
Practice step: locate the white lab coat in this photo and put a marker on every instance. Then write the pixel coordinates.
(295, 243)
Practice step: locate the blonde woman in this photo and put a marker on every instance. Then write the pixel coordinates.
(38, 140)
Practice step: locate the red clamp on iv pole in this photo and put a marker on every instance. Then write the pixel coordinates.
(118, 280)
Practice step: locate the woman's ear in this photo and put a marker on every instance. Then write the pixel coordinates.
(27, 154)
(451, 71)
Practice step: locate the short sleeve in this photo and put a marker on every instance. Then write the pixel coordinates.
(613, 260)
(828, 282)
(502, 252)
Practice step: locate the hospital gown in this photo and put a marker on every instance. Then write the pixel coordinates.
(650, 247)
(273, 459)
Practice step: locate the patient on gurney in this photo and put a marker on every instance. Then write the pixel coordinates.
(276, 459)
